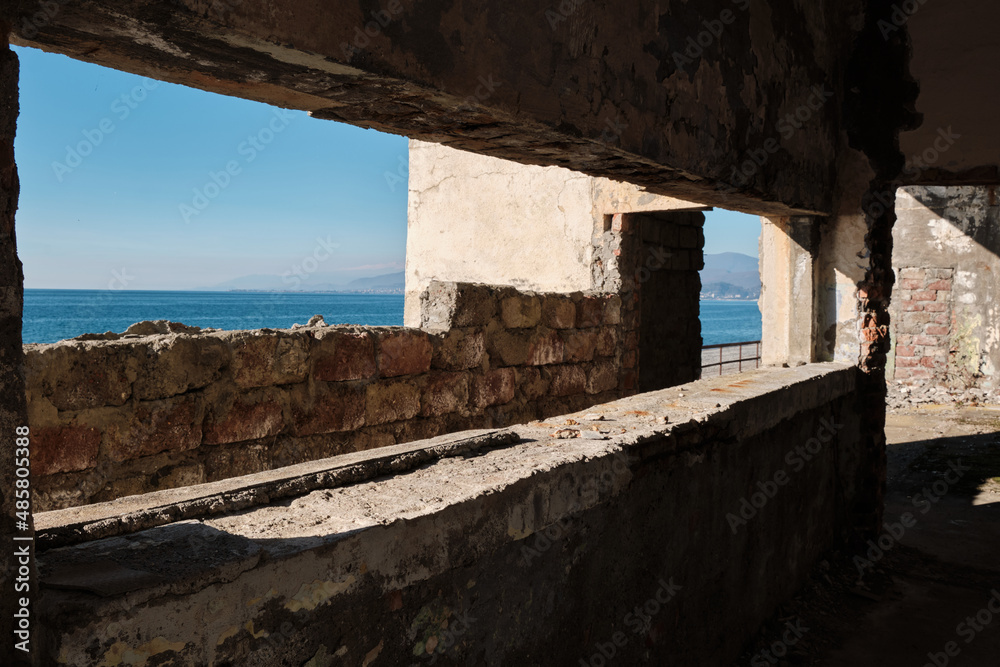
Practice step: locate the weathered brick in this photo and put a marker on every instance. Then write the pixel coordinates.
(612, 310)
(511, 347)
(494, 388)
(579, 345)
(176, 364)
(914, 273)
(929, 362)
(459, 349)
(531, 383)
(913, 306)
(566, 380)
(905, 362)
(404, 353)
(924, 296)
(249, 417)
(607, 342)
(926, 340)
(327, 408)
(152, 427)
(935, 307)
(392, 402)
(937, 330)
(521, 311)
(268, 359)
(909, 283)
(589, 311)
(602, 377)
(444, 393)
(340, 356)
(64, 449)
(546, 349)
(558, 312)
(943, 285)
(905, 350)
(78, 376)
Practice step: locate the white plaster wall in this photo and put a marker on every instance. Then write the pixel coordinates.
(475, 218)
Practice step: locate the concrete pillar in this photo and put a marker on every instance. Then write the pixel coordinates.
(788, 295)
(13, 408)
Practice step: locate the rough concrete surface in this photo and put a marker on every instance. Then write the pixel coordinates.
(384, 568)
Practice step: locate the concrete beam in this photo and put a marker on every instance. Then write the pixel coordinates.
(666, 99)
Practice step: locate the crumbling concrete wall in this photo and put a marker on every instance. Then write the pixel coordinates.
(946, 314)
(722, 512)
(480, 219)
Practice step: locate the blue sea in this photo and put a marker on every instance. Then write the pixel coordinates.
(53, 315)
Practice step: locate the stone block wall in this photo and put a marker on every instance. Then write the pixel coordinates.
(135, 413)
(924, 324)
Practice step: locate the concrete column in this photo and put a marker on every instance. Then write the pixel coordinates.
(13, 408)
(788, 295)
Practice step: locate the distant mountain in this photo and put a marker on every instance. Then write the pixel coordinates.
(388, 283)
(730, 275)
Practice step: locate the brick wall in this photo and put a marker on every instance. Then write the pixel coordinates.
(923, 323)
(139, 413)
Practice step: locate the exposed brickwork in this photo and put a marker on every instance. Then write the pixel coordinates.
(923, 302)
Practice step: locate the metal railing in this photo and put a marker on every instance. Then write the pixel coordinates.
(734, 360)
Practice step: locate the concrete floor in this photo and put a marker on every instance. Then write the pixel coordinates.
(956, 523)
(938, 573)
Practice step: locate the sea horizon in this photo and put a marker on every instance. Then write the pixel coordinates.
(55, 314)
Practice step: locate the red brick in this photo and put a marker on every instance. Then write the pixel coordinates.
(156, 426)
(929, 362)
(589, 311)
(911, 284)
(905, 350)
(341, 356)
(404, 353)
(546, 349)
(902, 373)
(907, 362)
(567, 380)
(521, 311)
(445, 393)
(943, 285)
(913, 306)
(64, 449)
(937, 330)
(924, 296)
(494, 388)
(330, 408)
(247, 418)
(920, 373)
(936, 307)
(915, 273)
(943, 318)
(926, 340)
(579, 345)
(392, 402)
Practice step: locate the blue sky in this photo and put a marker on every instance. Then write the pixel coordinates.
(140, 184)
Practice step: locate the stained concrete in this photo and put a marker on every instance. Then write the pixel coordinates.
(386, 567)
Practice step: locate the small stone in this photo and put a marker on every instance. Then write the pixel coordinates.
(572, 422)
(593, 417)
(566, 434)
(316, 321)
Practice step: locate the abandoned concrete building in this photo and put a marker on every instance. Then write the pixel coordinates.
(533, 456)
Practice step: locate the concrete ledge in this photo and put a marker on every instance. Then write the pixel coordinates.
(355, 568)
